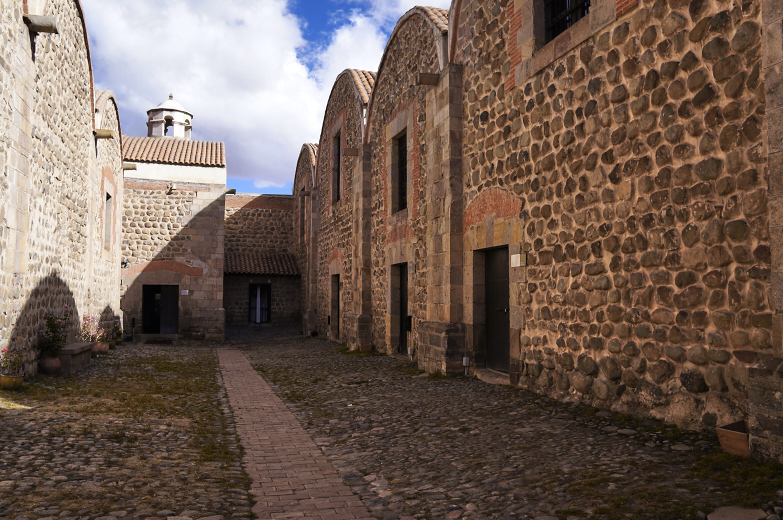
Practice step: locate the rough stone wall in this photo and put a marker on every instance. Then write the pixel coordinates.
(400, 238)
(48, 166)
(284, 299)
(638, 163)
(175, 239)
(305, 237)
(335, 231)
(259, 223)
(104, 285)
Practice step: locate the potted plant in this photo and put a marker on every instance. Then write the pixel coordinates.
(51, 341)
(11, 369)
(91, 331)
(118, 334)
(106, 336)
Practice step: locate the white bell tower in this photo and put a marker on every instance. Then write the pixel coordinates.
(169, 119)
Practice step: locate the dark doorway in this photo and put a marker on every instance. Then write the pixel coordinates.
(334, 319)
(260, 303)
(497, 298)
(160, 309)
(400, 286)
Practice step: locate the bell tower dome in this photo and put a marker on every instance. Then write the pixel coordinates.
(169, 119)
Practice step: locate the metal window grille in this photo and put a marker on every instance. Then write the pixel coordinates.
(402, 172)
(562, 14)
(336, 167)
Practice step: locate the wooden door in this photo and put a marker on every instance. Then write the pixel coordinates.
(497, 298)
(403, 310)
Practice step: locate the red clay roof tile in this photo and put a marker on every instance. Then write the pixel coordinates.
(440, 17)
(279, 264)
(173, 151)
(365, 82)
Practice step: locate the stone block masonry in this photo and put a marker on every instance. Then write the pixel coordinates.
(55, 248)
(638, 162)
(629, 166)
(284, 299)
(259, 227)
(305, 228)
(175, 238)
(258, 224)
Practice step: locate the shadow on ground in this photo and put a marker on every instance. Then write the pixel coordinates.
(413, 445)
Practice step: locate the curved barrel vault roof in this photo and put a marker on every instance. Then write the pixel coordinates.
(438, 19)
(364, 84)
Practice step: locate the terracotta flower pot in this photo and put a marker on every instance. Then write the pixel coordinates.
(10, 382)
(50, 365)
(100, 348)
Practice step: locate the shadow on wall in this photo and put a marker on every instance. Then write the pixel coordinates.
(173, 242)
(51, 295)
(261, 234)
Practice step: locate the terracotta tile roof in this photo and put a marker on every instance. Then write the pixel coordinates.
(313, 148)
(279, 264)
(365, 82)
(440, 17)
(173, 151)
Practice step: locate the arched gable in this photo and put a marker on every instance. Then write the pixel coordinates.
(363, 83)
(104, 101)
(40, 7)
(454, 16)
(438, 21)
(308, 158)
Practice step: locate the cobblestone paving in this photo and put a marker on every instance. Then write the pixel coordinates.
(144, 432)
(291, 477)
(412, 445)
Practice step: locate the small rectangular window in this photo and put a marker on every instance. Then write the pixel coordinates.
(108, 221)
(336, 167)
(400, 172)
(302, 201)
(562, 14)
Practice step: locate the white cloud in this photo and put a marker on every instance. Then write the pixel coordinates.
(240, 66)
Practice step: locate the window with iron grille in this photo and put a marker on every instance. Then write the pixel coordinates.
(562, 14)
(400, 173)
(337, 166)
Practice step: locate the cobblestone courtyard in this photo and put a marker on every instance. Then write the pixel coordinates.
(154, 431)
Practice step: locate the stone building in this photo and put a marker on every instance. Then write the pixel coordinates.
(173, 230)
(587, 206)
(305, 230)
(61, 183)
(261, 284)
(340, 186)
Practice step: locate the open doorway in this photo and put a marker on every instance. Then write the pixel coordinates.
(160, 309)
(260, 303)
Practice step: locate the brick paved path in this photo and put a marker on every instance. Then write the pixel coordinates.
(291, 476)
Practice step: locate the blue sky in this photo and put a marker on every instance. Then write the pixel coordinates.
(256, 74)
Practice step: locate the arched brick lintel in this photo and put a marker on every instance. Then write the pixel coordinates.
(163, 265)
(500, 202)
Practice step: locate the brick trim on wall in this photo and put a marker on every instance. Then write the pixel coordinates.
(497, 201)
(527, 59)
(394, 228)
(163, 265)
